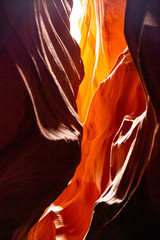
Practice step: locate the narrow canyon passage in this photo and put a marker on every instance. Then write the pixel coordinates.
(79, 125)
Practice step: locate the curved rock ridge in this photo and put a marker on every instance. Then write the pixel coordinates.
(40, 131)
(116, 182)
(114, 191)
(140, 216)
(107, 171)
(102, 40)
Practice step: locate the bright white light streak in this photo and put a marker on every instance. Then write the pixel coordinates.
(74, 18)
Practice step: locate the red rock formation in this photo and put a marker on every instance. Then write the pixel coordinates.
(102, 40)
(119, 141)
(114, 192)
(109, 139)
(40, 132)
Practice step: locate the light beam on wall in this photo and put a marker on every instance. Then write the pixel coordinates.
(74, 18)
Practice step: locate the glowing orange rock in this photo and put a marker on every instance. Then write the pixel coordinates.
(121, 130)
(102, 40)
(118, 135)
(45, 229)
(98, 168)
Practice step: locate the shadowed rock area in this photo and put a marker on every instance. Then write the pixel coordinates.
(40, 132)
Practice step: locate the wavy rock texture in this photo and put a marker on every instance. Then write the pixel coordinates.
(40, 131)
(139, 218)
(102, 40)
(114, 192)
(120, 137)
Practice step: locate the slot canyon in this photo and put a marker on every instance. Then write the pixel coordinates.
(79, 119)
